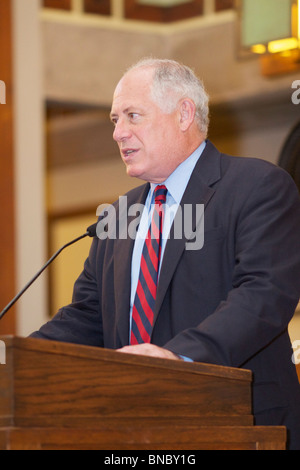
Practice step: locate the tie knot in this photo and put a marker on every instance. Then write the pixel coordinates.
(160, 194)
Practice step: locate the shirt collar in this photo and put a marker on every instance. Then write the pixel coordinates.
(177, 182)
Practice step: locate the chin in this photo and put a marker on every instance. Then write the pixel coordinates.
(134, 172)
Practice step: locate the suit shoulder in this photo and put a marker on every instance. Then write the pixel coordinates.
(255, 177)
(246, 162)
(251, 167)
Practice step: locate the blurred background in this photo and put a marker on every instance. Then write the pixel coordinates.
(61, 60)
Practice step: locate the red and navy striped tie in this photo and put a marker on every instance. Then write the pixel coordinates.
(143, 308)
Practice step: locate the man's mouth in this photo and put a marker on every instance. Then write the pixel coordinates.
(127, 152)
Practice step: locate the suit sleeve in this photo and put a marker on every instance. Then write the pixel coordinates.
(81, 321)
(265, 281)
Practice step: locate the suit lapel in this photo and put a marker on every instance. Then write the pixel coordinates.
(198, 191)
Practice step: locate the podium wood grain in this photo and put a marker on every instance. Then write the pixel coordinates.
(58, 395)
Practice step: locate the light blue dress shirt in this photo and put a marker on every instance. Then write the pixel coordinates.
(176, 185)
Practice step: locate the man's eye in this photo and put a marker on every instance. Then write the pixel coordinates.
(133, 115)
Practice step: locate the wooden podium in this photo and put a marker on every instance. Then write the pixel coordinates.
(63, 396)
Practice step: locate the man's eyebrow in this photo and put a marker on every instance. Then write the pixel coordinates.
(114, 115)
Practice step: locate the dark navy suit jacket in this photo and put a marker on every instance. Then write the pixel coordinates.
(228, 303)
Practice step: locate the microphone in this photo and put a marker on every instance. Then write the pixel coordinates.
(90, 232)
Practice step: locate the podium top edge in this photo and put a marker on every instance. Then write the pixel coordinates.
(110, 355)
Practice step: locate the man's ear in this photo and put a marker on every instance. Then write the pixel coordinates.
(187, 111)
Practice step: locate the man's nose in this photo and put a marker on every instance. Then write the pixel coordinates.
(121, 131)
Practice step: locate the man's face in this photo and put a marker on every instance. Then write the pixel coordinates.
(148, 139)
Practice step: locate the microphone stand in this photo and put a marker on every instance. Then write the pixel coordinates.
(91, 232)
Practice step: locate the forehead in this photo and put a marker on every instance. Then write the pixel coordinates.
(134, 87)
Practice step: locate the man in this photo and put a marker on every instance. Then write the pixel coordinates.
(228, 302)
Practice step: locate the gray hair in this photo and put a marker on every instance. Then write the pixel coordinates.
(177, 81)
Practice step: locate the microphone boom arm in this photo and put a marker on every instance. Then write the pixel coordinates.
(91, 231)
